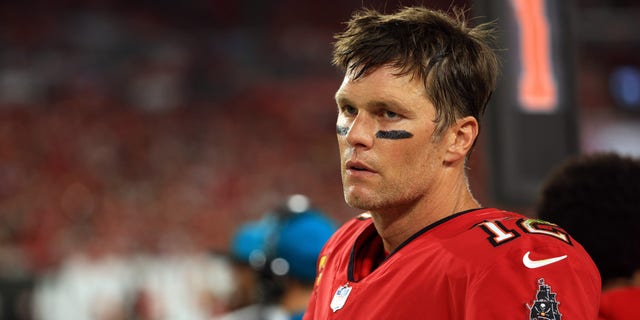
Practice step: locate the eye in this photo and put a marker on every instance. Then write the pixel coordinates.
(390, 115)
(349, 110)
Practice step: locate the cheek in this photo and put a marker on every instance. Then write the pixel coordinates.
(413, 157)
(409, 149)
(342, 141)
(342, 147)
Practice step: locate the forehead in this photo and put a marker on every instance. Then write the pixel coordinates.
(382, 85)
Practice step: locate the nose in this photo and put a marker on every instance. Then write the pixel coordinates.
(361, 132)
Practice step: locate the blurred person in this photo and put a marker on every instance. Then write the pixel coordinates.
(95, 285)
(181, 283)
(88, 285)
(416, 84)
(597, 198)
(246, 252)
(275, 261)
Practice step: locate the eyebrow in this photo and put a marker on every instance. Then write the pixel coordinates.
(341, 100)
(379, 104)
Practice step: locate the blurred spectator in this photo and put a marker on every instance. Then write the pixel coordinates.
(122, 125)
(275, 261)
(172, 286)
(246, 251)
(182, 286)
(596, 198)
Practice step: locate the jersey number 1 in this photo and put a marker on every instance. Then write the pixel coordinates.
(499, 234)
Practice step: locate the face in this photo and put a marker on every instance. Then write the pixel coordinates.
(388, 154)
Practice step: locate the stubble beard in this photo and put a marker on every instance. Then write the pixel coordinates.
(368, 200)
(380, 199)
(357, 198)
(356, 202)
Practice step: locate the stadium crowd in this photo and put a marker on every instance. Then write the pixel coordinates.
(135, 137)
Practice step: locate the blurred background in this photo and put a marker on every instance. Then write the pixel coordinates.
(135, 136)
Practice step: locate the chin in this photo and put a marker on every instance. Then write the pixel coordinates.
(358, 201)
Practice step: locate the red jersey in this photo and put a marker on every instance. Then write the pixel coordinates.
(620, 304)
(478, 264)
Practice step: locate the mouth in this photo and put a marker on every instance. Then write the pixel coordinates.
(357, 166)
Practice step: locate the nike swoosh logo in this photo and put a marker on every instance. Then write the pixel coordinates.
(533, 264)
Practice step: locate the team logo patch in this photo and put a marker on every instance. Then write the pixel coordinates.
(545, 306)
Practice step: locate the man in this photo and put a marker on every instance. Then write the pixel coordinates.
(416, 83)
(597, 198)
(274, 261)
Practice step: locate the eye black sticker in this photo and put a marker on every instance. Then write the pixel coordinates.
(342, 131)
(394, 134)
(391, 134)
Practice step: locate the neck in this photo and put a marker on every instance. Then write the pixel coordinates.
(396, 224)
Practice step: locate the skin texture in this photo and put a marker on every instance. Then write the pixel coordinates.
(409, 182)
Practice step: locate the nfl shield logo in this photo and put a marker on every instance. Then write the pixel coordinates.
(340, 297)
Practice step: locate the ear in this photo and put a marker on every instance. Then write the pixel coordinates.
(462, 136)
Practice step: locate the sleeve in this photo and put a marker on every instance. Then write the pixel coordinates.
(309, 313)
(539, 281)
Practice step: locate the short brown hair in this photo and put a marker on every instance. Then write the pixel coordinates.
(457, 63)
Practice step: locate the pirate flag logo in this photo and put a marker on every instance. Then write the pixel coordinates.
(545, 306)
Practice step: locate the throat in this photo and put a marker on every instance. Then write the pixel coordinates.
(368, 254)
